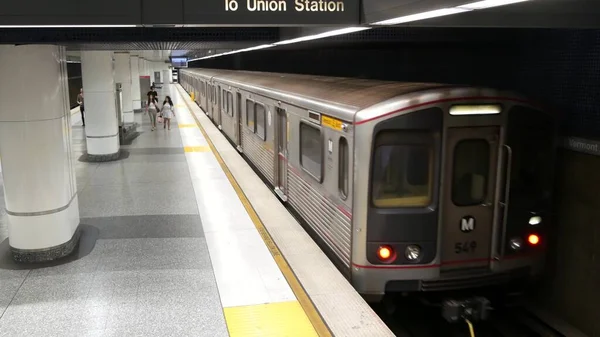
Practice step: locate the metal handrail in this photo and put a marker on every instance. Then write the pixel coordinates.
(506, 198)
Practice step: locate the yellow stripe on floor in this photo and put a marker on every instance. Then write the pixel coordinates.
(272, 319)
(196, 149)
(187, 126)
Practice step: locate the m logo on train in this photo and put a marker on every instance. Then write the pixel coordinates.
(467, 224)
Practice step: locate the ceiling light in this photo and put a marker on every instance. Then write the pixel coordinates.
(422, 16)
(300, 39)
(263, 46)
(347, 30)
(67, 26)
(489, 3)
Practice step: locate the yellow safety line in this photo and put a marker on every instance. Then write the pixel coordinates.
(181, 126)
(196, 149)
(309, 308)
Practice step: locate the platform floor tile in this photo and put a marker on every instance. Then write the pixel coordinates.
(149, 272)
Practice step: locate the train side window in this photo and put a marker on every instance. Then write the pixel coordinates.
(260, 114)
(344, 163)
(402, 175)
(224, 100)
(250, 114)
(470, 172)
(230, 103)
(311, 150)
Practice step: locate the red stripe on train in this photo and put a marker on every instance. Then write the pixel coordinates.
(512, 257)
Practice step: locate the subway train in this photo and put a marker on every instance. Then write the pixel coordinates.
(407, 187)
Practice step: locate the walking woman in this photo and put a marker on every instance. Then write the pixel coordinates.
(168, 111)
(152, 111)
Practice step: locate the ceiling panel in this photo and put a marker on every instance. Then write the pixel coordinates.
(158, 45)
(144, 36)
(527, 14)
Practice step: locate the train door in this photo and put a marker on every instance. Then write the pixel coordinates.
(238, 126)
(469, 197)
(211, 106)
(210, 98)
(206, 97)
(281, 139)
(215, 108)
(219, 107)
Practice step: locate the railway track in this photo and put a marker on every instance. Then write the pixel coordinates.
(410, 319)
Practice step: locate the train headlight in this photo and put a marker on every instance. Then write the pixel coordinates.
(412, 252)
(516, 243)
(535, 220)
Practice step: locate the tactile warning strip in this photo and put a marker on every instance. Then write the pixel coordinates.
(272, 319)
(181, 126)
(196, 149)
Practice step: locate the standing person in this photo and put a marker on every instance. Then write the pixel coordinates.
(81, 107)
(168, 111)
(152, 94)
(152, 109)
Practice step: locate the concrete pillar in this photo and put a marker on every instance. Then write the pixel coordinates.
(167, 78)
(37, 160)
(102, 130)
(146, 68)
(145, 81)
(123, 76)
(136, 93)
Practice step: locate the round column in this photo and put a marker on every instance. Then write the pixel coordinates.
(144, 71)
(37, 160)
(166, 76)
(136, 93)
(123, 76)
(145, 81)
(141, 64)
(99, 92)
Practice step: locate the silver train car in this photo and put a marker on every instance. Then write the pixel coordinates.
(408, 187)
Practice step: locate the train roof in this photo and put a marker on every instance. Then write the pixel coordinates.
(343, 95)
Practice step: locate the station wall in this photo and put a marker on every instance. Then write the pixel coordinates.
(560, 68)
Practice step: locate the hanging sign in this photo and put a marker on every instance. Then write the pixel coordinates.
(272, 12)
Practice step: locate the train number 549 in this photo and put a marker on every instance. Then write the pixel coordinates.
(467, 247)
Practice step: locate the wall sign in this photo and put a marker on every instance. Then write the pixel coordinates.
(583, 145)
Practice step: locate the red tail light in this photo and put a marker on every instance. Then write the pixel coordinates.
(533, 239)
(386, 253)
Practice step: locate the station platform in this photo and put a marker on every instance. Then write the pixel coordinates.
(182, 238)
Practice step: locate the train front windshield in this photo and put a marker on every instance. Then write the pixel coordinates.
(401, 176)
